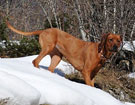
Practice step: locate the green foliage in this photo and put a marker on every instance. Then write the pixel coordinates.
(66, 20)
(24, 47)
(1, 51)
(47, 25)
(3, 35)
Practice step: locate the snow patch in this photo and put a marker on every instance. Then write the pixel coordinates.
(27, 85)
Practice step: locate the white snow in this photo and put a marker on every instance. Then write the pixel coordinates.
(2, 43)
(13, 87)
(127, 103)
(132, 75)
(129, 46)
(27, 85)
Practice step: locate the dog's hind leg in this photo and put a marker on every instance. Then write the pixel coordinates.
(43, 53)
(55, 59)
(54, 62)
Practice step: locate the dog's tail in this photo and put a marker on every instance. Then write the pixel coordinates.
(21, 32)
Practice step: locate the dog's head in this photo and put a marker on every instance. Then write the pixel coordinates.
(110, 42)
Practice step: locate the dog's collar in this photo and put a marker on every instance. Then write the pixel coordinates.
(102, 55)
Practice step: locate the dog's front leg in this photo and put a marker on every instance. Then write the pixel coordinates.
(94, 73)
(87, 79)
(89, 72)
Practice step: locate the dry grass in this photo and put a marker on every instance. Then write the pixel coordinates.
(4, 101)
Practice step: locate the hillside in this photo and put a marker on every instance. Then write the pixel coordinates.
(24, 84)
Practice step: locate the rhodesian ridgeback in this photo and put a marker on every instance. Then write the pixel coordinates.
(86, 57)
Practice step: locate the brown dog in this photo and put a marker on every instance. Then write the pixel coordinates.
(87, 57)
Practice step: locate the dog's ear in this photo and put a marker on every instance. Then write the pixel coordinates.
(121, 38)
(103, 41)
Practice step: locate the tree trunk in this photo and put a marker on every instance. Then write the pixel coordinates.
(131, 36)
(45, 13)
(114, 17)
(81, 27)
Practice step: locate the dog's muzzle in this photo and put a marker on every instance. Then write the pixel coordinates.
(115, 48)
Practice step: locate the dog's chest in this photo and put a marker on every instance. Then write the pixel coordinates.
(102, 61)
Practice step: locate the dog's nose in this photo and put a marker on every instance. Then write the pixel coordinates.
(115, 48)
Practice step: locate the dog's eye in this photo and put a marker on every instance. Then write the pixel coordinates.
(110, 40)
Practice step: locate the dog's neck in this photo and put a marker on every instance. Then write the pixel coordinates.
(105, 53)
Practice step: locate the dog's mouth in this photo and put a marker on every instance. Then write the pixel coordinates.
(114, 49)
